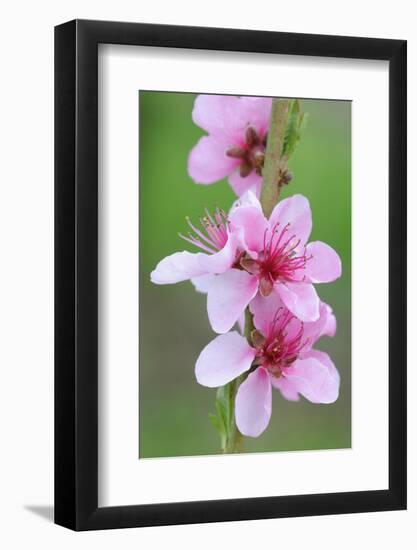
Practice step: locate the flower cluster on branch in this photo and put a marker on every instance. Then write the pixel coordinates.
(265, 266)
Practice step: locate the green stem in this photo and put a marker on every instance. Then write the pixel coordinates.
(273, 155)
(234, 439)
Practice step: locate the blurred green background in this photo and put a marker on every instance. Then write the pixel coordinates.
(173, 407)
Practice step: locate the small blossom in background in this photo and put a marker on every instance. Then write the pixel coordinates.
(235, 145)
(281, 357)
(243, 253)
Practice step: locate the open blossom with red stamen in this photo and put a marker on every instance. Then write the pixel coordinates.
(244, 252)
(235, 146)
(277, 259)
(281, 356)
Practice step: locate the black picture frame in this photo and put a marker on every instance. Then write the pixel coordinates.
(76, 272)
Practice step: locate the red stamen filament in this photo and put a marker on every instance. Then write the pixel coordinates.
(213, 235)
(279, 349)
(280, 260)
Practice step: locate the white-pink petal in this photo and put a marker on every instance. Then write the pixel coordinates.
(323, 264)
(218, 115)
(312, 331)
(324, 359)
(257, 112)
(241, 323)
(301, 299)
(253, 224)
(264, 310)
(203, 282)
(208, 161)
(222, 260)
(251, 182)
(314, 377)
(253, 403)
(287, 389)
(330, 326)
(227, 298)
(177, 267)
(296, 212)
(223, 359)
(249, 198)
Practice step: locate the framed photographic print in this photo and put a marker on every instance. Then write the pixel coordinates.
(230, 275)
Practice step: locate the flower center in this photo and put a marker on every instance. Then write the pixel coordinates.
(251, 154)
(280, 261)
(281, 347)
(213, 234)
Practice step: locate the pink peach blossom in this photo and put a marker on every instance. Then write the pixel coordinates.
(235, 145)
(278, 257)
(243, 253)
(281, 357)
(221, 246)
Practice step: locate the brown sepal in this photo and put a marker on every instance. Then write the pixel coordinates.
(251, 136)
(258, 339)
(250, 265)
(236, 152)
(245, 168)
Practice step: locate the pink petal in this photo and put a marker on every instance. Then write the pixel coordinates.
(257, 111)
(314, 330)
(203, 282)
(219, 116)
(228, 296)
(249, 198)
(301, 299)
(323, 264)
(296, 212)
(315, 377)
(241, 323)
(264, 310)
(253, 403)
(251, 182)
(177, 267)
(325, 360)
(223, 359)
(229, 116)
(253, 224)
(286, 388)
(222, 260)
(208, 161)
(330, 326)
